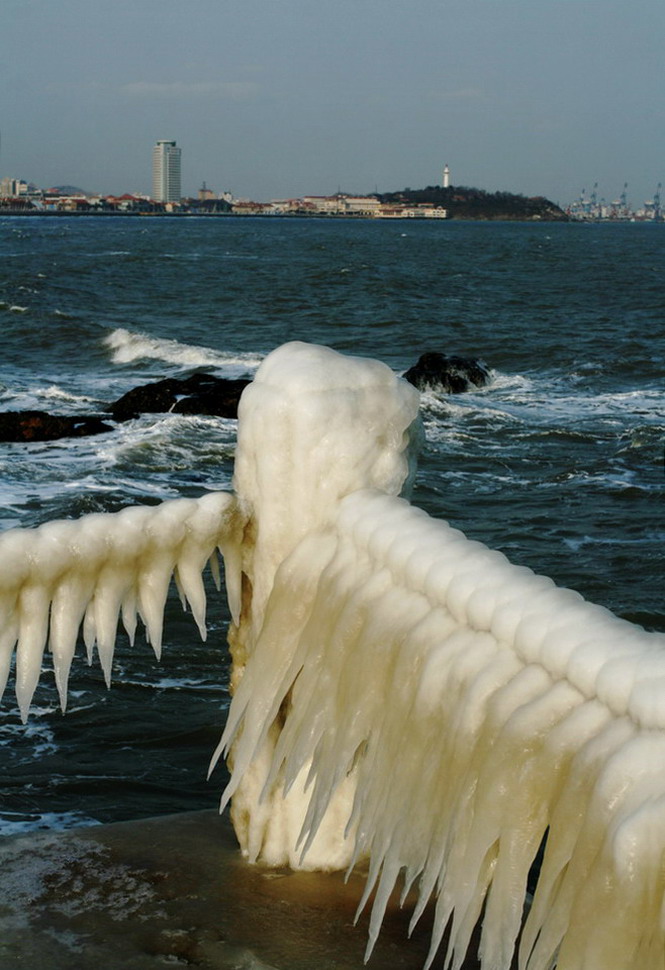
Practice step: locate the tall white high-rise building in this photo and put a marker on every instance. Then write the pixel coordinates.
(166, 172)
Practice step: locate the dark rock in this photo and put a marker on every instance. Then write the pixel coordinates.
(198, 394)
(40, 426)
(452, 375)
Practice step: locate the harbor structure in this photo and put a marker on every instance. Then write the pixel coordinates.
(166, 157)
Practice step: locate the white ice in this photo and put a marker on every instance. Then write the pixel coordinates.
(402, 694)
(87, 573)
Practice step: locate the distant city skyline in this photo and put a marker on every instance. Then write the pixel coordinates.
(166, 188)
(275, 99)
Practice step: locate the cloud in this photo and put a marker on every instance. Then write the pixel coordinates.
(186, 90)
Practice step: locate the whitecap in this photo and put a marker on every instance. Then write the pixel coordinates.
(54, 392)
(19, 823)
(128, 346)
(575, 544)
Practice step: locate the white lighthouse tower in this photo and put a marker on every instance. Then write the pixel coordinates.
(446, 177)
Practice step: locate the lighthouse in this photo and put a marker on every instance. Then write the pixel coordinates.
(446, 177)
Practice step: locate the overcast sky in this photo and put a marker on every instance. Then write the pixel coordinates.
(279, 98)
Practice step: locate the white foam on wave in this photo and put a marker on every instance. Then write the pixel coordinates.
(23, 391)
(39, 733)
(20, 823)
(175, 683)
(577, 543)
(545, 402)
(128, 346)
(168, 443)
(56, 393)
(112, 252)
(507, 383)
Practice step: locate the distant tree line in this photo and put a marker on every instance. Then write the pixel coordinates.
(469, 203)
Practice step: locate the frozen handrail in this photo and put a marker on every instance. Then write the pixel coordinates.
(400, 693)
(65, 574)
(477, 707)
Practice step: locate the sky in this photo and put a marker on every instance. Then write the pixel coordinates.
(272, 99)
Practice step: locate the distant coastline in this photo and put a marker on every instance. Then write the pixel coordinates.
(440, 203)
(243, 215)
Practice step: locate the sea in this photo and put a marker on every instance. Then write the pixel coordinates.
(558, 461)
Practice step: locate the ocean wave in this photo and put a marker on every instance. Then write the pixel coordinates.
(56, 393)
(20, 823)
(199, 685)
(110, 252)
(36, 398)
(172, 444)
(37, 735)
(548, 403)
(642, 438)
(128, 346)
(575, 543)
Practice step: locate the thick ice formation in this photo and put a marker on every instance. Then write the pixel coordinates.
(68, 573)
(401, 693)
(478, 707)
(313, 427)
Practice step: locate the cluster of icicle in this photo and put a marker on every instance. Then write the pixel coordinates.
(402, 694)
(68, 574)
(478, 707)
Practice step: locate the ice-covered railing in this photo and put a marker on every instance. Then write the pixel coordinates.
(476, 706)
(401, 693)
(88, 573)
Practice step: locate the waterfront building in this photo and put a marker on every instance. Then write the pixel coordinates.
(325, 204)
(361, 205)
(166, 172)
(13, 188)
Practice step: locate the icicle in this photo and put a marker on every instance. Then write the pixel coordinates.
(87, 572)
(67, 609)
(213, 562)
(129, 612)
(231, 553)
(8, 638)
(33, 628)
(89, 632)
(497, 677)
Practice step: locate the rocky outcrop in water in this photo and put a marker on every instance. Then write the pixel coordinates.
(198, 394)
(218, 396)
(450, 375)
(41, 426)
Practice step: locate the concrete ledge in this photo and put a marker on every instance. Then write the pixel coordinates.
(175, 892)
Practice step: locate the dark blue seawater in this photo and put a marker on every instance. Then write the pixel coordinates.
(558, 462)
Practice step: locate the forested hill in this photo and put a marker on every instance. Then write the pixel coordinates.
(466, 203)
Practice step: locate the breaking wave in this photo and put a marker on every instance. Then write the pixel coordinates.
(128, 346)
